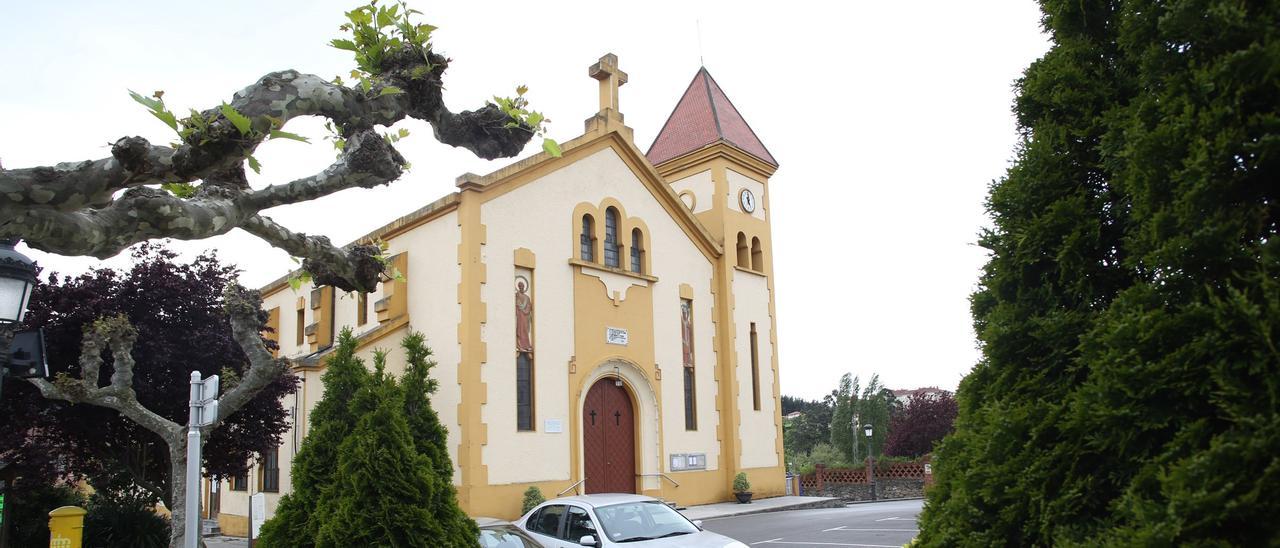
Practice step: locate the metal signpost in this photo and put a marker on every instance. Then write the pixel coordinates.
(204, 411)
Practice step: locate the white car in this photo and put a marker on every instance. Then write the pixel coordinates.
(607, 520)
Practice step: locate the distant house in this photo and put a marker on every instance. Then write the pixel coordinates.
(905, 394)
(792, 416)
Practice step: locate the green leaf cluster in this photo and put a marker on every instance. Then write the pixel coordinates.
(375, 468)
(376, 32)
(1129, 387)
(520, 117)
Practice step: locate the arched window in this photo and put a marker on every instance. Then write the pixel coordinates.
(744, 253)
(757, 256)
(637, 251)
(611, 238)
(588, 239)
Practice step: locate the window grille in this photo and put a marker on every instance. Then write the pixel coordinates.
(587, 239)
(611, 238)
(637, 251)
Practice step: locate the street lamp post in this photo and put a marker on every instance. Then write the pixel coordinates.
(17, 279)
(871, 461)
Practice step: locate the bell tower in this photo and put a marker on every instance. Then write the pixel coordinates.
(720, 169)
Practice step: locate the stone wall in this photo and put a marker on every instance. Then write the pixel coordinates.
(885, 489)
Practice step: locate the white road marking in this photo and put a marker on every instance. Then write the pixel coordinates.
(843, 528)
(811, 543)
(766, 541)
(897, 519)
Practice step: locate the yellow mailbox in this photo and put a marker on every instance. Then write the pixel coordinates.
(66, 525)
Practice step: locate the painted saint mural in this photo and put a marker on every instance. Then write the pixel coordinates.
(524, 315)
(686, 339)
(524, 350)
(686, 330)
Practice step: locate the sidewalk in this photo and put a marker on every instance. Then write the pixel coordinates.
(760, 506)
(220, 541)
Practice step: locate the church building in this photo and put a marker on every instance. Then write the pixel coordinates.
(602, 321)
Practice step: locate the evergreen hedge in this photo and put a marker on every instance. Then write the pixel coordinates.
(374, 470)
(1129, 314)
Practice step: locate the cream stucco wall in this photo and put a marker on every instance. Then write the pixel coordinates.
(538, 216)
(434, 310)
(666, 310)
(737, 182)
(702, 188)
(757, 431)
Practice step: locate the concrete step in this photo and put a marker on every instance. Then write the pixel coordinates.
(209, 527)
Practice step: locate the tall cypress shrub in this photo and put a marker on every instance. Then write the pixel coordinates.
(386, 492)
(1129, 384)
(431, 439)
(374, 470)
(297, 522)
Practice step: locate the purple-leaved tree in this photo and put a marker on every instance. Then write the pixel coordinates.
(926, 418)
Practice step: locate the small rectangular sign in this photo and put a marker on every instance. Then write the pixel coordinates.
(688, 461)
(552, 426)
(209, 388)
(615, 335)
(208, 413)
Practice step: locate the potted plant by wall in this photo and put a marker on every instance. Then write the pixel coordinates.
(532, 498)
(742, 488)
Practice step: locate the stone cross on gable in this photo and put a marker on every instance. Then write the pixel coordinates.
(606, 71)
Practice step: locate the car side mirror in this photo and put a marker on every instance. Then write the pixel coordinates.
(587, 540)
(697, 523)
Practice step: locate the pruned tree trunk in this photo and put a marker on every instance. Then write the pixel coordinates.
(178, 492)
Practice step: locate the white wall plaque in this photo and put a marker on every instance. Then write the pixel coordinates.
(615, 335)
(552, 426)
(688, 461)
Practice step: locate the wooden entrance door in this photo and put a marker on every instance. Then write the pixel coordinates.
(609, 439)
(215, 499)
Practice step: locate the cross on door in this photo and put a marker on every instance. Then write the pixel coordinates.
(593, 417)
(616, 416)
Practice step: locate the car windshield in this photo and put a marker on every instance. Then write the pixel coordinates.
(643, 520)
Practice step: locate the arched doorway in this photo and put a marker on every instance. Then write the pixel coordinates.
(609, 438)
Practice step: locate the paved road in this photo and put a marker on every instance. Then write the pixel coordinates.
(225, 542)
(876, 524)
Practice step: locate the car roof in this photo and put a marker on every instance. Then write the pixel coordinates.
(603, 499)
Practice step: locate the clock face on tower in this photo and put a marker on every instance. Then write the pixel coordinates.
(748, 200)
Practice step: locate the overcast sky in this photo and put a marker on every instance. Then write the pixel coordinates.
(889, 119)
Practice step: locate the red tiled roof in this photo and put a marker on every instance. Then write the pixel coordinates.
(703, 116)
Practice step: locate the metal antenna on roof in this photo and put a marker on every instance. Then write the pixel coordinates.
(698, 22)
